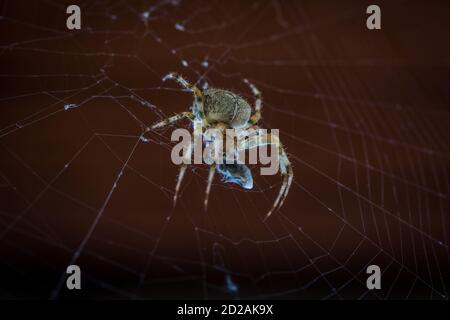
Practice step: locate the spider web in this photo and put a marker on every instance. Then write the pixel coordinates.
(363, 115)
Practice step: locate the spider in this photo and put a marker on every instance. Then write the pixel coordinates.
(218, 108)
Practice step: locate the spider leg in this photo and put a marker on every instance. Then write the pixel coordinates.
(179, 180)
(182, 172)
(258, 104)
(212, 170)
(197, 93)
(285, 167)
(172, 119)
(288, 175)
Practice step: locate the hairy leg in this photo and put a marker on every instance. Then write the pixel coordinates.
(286, 170)
(258, 104)
(172, 119)
(197, 93)
(187, 156)
(212, 170)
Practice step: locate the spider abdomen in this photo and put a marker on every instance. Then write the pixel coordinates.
(225, 106)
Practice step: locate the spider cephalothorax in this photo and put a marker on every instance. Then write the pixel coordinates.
(218, 108)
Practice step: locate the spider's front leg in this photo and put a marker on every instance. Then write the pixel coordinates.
(186, 159)
(288, 175)
(172, 119)
(198, 96)
(214, 159)
(212, 170)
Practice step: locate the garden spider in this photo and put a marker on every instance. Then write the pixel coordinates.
(217, 108)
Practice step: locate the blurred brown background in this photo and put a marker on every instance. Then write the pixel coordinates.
(363, 114)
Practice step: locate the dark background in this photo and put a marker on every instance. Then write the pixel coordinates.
(364, 116)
